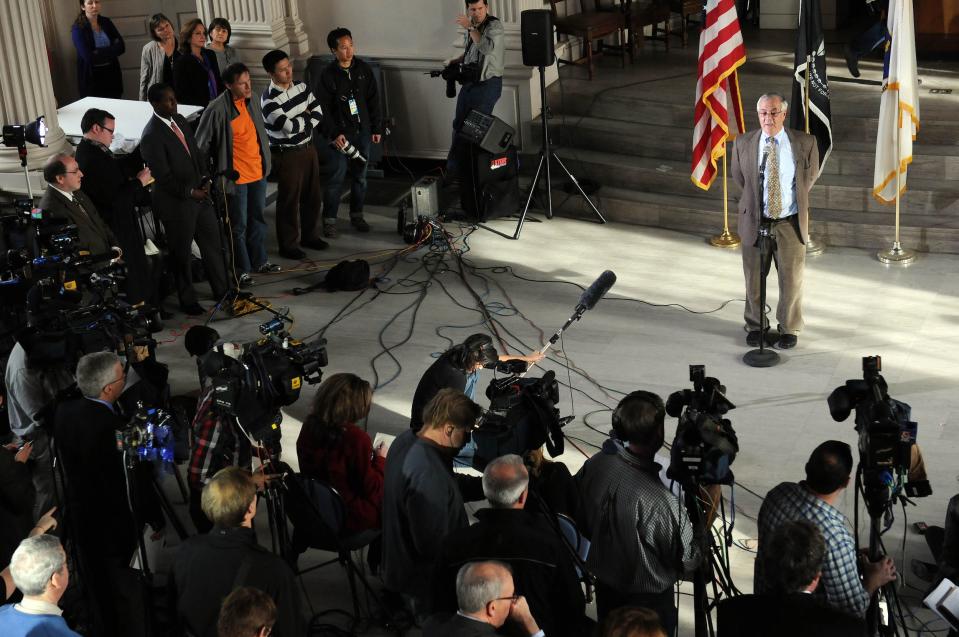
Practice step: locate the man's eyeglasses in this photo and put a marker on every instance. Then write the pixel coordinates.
(110, 130)
(773, 114)
(72, 172)
(512, 599)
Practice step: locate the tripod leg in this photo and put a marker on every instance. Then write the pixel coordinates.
(579, 188)
(529, 198)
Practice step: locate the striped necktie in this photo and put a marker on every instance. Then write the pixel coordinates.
(179, 134)
(774, 202)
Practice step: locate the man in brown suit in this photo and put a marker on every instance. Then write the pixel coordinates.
(775, 167)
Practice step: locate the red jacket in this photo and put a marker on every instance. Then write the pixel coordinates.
(350, 467)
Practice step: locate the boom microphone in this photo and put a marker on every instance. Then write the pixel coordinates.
(596, 291)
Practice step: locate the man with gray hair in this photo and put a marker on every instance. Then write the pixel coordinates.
(776, 167)
(486, 598)
(39, 569)
(542, 564)
(86, 442)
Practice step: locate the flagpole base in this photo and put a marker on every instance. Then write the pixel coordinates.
(725, 240)
(897, 255)
(814, 246)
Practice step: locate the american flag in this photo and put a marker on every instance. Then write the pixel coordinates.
(719, 108)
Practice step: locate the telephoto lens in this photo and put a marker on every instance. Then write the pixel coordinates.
(351, 151)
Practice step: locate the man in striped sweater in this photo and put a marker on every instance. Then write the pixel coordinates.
(291, 114)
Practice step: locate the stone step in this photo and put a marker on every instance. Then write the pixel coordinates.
(703, 215)
(840, 192)
(675, 142)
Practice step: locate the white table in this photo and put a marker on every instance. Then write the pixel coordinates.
(131, 116)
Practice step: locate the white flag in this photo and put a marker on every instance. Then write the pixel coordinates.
(899, 104)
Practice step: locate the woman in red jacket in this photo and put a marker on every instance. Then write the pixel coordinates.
(332, 449)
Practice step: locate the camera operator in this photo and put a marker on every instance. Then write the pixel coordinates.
(458, 368)
(642, 539)
(64, 201)
(347, 91)
(99, 514)
(827, 476)
(481, 71)
(36, 372)
(117, 185)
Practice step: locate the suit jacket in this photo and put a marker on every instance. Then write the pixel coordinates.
(543, 569)
(745, 171)
(176, 172)
(456, 626)
(95, 234)
(794, 615)
(85, 435)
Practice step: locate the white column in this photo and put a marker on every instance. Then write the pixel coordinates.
(26, 91)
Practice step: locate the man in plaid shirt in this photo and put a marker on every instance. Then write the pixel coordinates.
(827, 476)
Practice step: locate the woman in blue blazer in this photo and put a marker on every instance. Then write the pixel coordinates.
(99, 47)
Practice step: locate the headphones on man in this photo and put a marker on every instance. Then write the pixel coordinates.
(478, 347)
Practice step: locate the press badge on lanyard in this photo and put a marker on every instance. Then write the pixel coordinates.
(354, 109)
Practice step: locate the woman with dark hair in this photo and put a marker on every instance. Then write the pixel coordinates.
(219, 33)
(458, 368)
(332, 449)
(196, 76)
(99, 47)
(159, 54)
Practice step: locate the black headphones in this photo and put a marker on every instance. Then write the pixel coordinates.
(478, 347)
(617, 420)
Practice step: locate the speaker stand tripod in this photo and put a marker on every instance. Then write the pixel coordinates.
(545, 155)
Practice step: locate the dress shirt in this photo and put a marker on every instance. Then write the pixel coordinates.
(539, 633)
(34, 606)
(787, 173)
(68, 195)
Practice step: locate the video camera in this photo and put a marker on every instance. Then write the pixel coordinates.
(263, 376)
(148, 437)
(886, 436)
(457, 72)
(705, 445)
(522, 416)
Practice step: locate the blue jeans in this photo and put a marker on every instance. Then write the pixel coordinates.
(480, 96)
(339, 165)
(248, 226)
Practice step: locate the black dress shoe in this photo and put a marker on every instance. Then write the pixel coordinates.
(316, 244)
(295, 253)
(752, 338)
(852, 61)
(193, 310)
(787, 341)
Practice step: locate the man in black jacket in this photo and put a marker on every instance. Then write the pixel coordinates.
(543, 569)
(181, 196)
(347, 91)
(209, 567)
(100, 520)
(794, 563)
(116, 186)
(64, 201)
(422, 496)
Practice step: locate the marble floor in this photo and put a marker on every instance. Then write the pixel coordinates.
(677, 301)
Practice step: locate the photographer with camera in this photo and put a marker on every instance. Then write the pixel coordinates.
(36, 372)
(347, 91)
(479, 70)
(117, 185)
(458, 368)
(642, 541)
(827, 475)
(98, 494)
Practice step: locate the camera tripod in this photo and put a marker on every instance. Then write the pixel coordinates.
(714, 566)
(546, 154)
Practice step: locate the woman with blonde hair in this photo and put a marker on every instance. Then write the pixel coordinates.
(331, 448)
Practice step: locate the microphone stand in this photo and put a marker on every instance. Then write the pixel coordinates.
(762, 357)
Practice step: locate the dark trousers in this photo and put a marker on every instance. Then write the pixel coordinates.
(663, 604)
(478, 96)
(789, 253)
(183, 224)
(298, 196)
(338, 166)
(869, 39)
